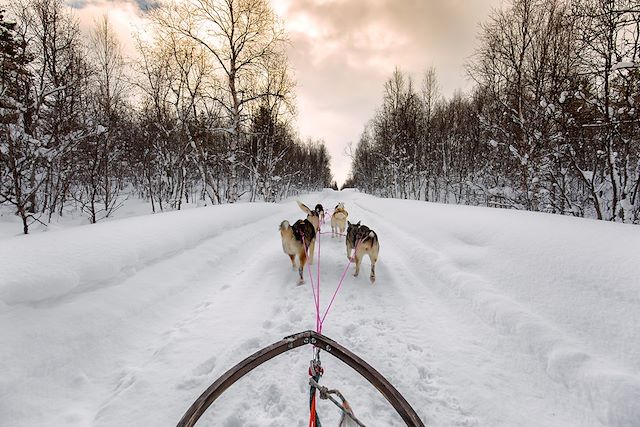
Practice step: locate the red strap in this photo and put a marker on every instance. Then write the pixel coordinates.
(312, 414)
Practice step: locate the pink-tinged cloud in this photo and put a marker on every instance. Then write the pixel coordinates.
(342, 52)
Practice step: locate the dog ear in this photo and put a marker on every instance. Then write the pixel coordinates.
(349, 224)
(358, 223)
(304, 207)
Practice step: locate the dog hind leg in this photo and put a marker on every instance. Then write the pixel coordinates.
(302, 256)
(293, 261)
(372, 277)
(358, 257)
(373, 256)
(312, 249)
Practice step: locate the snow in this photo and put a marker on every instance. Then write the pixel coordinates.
(480, 317)
(563, 97)
(623, 64)
(51, 265)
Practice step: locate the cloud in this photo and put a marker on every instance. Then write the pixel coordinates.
(126, 18)
(142, 5)
(344, 50)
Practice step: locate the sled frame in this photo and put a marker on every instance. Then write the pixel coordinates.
(400, 404)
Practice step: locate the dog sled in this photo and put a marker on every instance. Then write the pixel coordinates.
(302, 247)
(321, 344)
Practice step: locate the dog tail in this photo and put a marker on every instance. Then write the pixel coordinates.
(286, 231)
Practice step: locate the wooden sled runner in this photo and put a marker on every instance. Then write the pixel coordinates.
(325, 344)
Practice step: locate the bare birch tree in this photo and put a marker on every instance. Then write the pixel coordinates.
(243, 37)
(99, 160)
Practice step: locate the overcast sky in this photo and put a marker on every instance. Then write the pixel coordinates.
(342, 51)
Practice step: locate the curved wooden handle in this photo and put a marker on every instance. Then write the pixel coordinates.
(376, 379)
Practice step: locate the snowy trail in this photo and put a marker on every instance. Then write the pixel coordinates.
(141, 340)
(469, 361)
(607, 391)
(117, 326)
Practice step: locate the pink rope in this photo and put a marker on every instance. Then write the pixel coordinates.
(313, 289)
(344, 273)
(316, 289)
(339, 234)
(317, 296)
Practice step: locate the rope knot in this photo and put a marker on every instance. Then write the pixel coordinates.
(324, 392)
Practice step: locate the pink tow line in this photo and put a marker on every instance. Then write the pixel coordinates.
(344, 273)
(315, 289)
(316, 296)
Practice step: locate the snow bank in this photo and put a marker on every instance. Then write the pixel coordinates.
(38, 267)
(567, 288)
(614, 394)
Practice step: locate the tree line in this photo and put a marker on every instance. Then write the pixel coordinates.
(204, 113)
(551, 125)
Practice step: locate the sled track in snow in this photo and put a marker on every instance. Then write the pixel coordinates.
(611, 394)
(131, 270)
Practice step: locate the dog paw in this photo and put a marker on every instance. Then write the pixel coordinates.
(373, 279)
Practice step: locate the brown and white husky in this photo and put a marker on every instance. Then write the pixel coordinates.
(299, 239)
(364, 241)
(339, 220)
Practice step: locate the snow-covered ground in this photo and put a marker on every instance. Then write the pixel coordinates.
(480, 317)
(11, 224)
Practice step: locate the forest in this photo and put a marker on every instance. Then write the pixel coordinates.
(551, 125)
(204, 113)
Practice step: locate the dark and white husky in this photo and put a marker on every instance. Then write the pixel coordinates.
(320, 211)
(364, 241)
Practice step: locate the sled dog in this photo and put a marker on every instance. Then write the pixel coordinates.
(364, 241)
(339, 220)
(320, 211)
(298, 240)
(312, 216)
